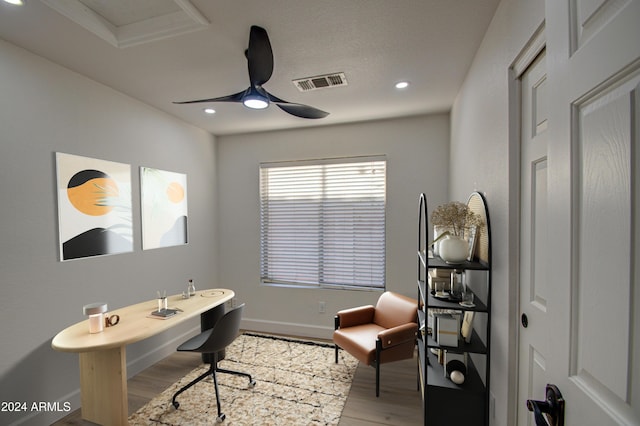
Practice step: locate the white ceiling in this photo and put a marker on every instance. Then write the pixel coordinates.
(375, 43)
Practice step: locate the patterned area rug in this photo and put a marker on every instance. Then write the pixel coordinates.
(298, 383)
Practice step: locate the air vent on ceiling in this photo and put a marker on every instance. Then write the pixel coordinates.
(320, 82)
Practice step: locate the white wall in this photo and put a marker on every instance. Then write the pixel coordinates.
(417, 161)
(44, 109)
(480, 158)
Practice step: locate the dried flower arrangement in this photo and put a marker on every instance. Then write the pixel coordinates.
(455, 217)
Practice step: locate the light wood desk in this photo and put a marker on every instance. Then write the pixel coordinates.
(103, 361)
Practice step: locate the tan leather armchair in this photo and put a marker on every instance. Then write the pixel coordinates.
(380, 334)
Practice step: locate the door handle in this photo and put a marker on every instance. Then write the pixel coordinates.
(524, 319)
(551, 411)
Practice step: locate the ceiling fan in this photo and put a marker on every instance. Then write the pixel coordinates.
(260, 61)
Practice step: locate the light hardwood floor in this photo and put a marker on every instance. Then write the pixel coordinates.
(399, 402)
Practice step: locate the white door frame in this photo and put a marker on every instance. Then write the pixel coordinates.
(536, 43)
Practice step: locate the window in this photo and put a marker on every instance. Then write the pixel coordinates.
(322, 223)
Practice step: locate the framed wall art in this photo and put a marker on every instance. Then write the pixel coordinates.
(164, 208)
(94, 207)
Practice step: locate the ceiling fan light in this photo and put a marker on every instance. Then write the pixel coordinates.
(255, 103)
(254, 99)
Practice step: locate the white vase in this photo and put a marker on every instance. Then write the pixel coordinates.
(454, 249)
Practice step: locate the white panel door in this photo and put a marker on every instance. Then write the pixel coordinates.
(534, 292)
(592, 292)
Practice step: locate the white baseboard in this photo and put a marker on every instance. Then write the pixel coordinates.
(288, 328)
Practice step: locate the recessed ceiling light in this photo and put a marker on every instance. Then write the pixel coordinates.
(16, 2)
(209, 111)
(402, 85)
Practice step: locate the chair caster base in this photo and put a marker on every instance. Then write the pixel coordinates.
(221, 418)
(176, 404)
(252, 384)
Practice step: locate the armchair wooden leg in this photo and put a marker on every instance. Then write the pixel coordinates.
(336, 353)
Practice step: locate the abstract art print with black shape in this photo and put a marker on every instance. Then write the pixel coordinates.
(94, 207)
(163, 207)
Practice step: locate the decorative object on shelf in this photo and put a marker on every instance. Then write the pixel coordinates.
(471, 236)
(438, 282)
(454, 249)
(467, 299)
(457, 283)
(448, 329)
(455, 217)
(454, 361)
(457, 377)
(467, 326)
(454, 220)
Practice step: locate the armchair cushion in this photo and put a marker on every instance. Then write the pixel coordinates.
(359, 341)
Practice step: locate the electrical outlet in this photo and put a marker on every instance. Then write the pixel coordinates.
(322, 307)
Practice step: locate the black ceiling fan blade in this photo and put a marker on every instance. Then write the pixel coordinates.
(259, 56)
(236, 97)
(299, 110)
(302, 111)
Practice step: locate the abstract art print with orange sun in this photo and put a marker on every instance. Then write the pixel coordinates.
(164, 208)
(94, 207)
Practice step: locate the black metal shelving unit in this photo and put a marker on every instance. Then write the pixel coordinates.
(444, 402)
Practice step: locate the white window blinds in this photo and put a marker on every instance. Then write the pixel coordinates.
(322, 223)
